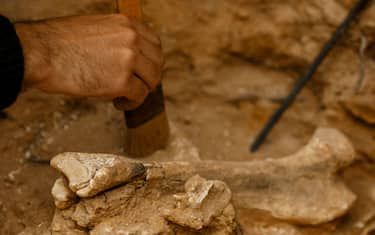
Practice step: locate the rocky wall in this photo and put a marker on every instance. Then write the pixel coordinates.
(201, 36)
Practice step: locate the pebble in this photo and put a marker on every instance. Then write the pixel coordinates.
(12, 175)
(74, 116)
(27, 154)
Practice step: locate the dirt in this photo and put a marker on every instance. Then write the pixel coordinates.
(222, 82)
(39, 126)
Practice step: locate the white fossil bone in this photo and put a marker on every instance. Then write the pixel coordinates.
(302, 188)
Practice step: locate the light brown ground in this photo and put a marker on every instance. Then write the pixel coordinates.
(229, 65)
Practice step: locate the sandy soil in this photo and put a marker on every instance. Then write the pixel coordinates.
(229, 66)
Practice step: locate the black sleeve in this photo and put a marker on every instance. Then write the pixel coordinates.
(11, 63)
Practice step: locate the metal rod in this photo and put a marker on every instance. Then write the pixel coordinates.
(308, 74)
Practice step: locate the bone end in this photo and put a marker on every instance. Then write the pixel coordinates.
(337, 143)
(63, 196)
(90, 174)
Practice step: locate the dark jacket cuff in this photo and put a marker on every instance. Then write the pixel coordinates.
(11, 63)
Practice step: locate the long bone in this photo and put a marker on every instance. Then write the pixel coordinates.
(303, 187)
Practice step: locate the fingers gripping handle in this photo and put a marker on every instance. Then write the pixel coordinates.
(133, 9)
(154, 103)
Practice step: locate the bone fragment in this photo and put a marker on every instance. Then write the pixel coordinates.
(202, 202)
(90, 175)
(62, 194)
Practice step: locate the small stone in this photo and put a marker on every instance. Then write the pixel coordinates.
(12, 175)
(74, 116)
(28, 155)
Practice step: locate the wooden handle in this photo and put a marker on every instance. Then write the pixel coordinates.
(147, 125)
(131, 8)
(154, 102)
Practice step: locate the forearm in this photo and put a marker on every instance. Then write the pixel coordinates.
(36, 53)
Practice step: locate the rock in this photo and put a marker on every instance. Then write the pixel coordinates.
(272, 229)
(63, 226)
(89, 175)
(369, 229)
(360, 133)
(362, 107)
(117, 225)
(130, 207)
(41, 229)
(179, 148)
(244, 28)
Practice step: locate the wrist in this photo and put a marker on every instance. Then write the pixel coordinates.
(11, 63)
(35, 50)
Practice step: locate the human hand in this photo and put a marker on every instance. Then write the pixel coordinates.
(104, 56)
